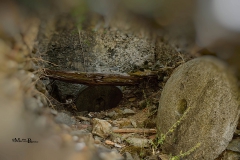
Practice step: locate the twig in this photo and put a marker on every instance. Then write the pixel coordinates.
(134, 130)
(98, 78)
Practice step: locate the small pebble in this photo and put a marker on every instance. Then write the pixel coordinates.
(109, 142)
(132, 99)
(138, 142)
(128, 111)
(80, 146)
(101, 128)
(117, 145)
(75, 138)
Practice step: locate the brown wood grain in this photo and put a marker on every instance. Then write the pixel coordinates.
(99, 78)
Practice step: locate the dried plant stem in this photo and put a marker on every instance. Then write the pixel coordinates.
(134, 130)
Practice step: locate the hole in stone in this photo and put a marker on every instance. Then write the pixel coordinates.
(182, 106)
(238, 126)
(99, 103)
(98, 98)
(181, 86)
(69, 99)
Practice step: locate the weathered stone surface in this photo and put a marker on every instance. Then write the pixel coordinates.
(209, 90)
(66, 90)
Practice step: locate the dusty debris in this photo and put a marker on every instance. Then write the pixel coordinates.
(101, 128)
(108, 142)
(81, 132)
(134, 123)
(230, 155)
(111, 155)
(111, 114)
(83, 118)
(237, 132)
(164, 157)
(98, 140)
(138, 142)
(128, 112)
(132, 99)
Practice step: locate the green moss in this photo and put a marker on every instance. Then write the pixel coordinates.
(187, 153)
(160, 139)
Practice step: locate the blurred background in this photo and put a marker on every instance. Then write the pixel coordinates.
(213, 24)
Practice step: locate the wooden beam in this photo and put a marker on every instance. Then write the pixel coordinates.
(99, 78)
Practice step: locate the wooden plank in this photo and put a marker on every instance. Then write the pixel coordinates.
(99, 78)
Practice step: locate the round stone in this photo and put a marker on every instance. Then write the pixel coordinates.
(98, 98)
(203, 95)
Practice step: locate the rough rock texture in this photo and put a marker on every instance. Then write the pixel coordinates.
(93, 49)
(126, 45)
(65, 90)
(206, 87)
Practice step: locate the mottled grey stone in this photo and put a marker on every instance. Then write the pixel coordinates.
(66, 90)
